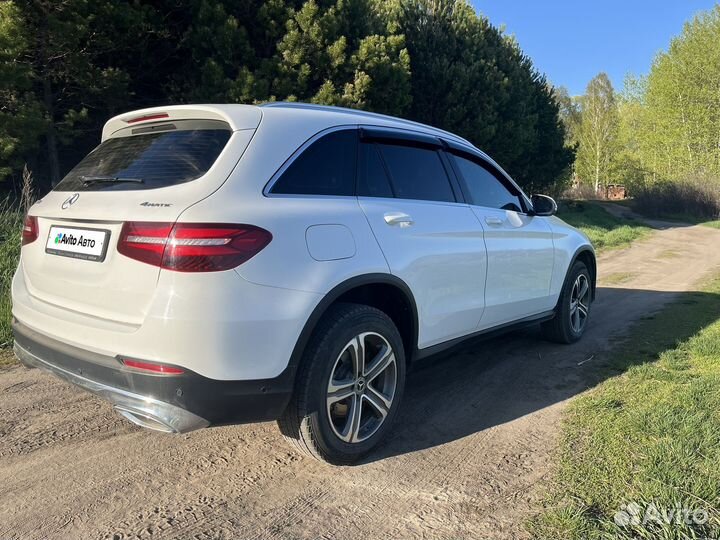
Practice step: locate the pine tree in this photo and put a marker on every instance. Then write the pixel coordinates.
(67, 66)
(21, 114)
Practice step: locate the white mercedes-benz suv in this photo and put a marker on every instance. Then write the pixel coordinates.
(211, 264)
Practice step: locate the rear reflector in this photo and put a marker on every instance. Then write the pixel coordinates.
(192, 247)
(30, 230)
(152, 367)
(147, 117)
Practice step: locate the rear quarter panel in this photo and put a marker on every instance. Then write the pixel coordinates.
(287, 262)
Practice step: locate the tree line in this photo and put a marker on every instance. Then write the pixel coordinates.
(68, 65)
(661, 128)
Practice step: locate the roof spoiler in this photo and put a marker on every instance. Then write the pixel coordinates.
(237, 116)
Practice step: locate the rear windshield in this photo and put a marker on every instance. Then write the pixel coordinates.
(150, 157)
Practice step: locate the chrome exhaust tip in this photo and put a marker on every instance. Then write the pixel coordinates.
(141, 410)
(144, 420)
(157, 415)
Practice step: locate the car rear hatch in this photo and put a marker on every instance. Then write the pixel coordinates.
(150, 167)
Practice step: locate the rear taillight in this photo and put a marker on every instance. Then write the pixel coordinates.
(30, 230)
(192, 247)
(144, 242)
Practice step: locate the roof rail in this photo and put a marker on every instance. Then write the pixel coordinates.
(360, 113)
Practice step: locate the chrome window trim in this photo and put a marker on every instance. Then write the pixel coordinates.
(418, 201)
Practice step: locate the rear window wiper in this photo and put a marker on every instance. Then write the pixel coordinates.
(110, 179)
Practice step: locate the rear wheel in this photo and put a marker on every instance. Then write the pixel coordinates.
(349, 385)
(573, 309)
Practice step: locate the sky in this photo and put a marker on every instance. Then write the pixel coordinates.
(572, 41)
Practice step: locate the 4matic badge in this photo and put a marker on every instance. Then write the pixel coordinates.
(155, 204)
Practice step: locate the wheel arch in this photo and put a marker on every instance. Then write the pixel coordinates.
(388, 293)
(586, 255)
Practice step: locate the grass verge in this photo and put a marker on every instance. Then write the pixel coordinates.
(7, 358)
(604, 230)
(10, 227)
(685, 218)
(669, 216)
(648, 437)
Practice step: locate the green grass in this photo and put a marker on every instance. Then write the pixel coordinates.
(686, 218)
(618, 278)
(682, 218)
(650, 433)
(10, 227)
(7, 358)
(604, 230)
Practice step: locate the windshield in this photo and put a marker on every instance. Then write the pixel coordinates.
(150, 157)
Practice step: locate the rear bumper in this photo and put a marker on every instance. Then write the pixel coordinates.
(177, 403)
(217, 325)
(139, 409)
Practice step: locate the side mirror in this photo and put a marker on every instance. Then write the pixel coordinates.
(543, 205)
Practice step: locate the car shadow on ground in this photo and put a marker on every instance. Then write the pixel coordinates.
(482, 384)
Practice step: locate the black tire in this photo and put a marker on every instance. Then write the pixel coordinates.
(308, 424)
(560, 328)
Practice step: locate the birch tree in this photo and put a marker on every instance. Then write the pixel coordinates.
(598, 132)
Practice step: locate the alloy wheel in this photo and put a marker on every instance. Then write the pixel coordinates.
(361, 388)
(579, 303)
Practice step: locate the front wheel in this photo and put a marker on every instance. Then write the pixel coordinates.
(573, 309)
(349, 385)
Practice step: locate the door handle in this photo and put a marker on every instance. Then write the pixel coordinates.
(493, 221)
(398, 218)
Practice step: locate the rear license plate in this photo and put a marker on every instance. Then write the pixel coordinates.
(87, 244)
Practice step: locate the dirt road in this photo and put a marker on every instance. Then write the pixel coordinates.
(466, 459)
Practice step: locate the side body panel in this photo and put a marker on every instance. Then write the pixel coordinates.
(520, 265)
(568, 242)
(441, 256)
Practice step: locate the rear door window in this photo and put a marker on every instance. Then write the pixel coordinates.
(150, 157)
(326, 167)
(417, 173)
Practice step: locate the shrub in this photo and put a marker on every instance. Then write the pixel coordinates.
(10, 226)
(603, 229)
(688, 199)
(11, 219)
(581, 191)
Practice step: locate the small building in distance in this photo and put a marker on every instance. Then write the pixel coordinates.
(615, 192)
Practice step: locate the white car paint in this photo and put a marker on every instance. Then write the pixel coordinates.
(520, 256)
(441, 257)
(242, 324)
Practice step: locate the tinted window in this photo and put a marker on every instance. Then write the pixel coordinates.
(326, 167)
(373, 181)
(484, 188)
(159, 159)
(417, 173)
